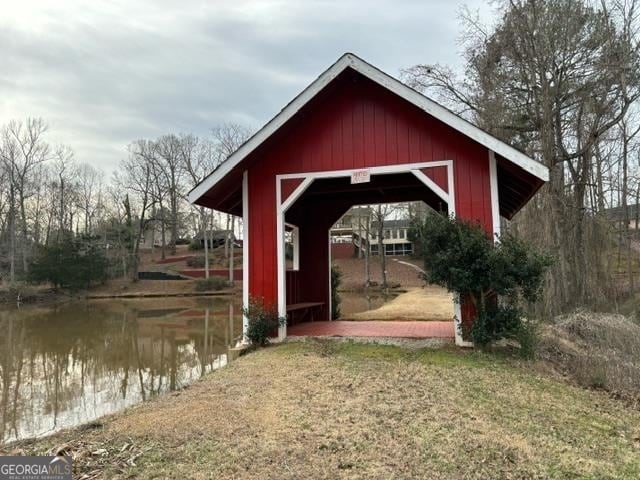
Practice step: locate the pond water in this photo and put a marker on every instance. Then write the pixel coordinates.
(355, 302)
(68, 364)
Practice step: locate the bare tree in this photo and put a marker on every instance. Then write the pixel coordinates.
(90, 184)
(227, 138)
(381, 213)
(198, 162)
(66, 182)
(168, 151)
(364, 248)
(138, 179)
(22, 149)
(553, 78)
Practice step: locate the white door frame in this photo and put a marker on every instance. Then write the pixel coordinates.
(308, 177)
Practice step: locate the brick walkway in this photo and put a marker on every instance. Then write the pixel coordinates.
(373, 328)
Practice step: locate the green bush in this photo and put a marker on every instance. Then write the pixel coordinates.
(336, 280)
(195, 245)
(212, 283)
(498, 277)
(73, 263)
(263, 321)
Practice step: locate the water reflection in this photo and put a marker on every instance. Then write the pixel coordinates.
(356, 302)
(69, 364)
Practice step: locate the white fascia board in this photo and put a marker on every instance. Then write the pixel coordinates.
(426, 104)
(454, 121)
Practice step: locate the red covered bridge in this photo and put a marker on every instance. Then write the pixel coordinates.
(356, 136)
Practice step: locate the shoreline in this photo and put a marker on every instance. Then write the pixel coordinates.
(221, 293)
(358, 406)
(25, 295)
(76, 431)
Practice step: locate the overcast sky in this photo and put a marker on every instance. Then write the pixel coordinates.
(103, 73)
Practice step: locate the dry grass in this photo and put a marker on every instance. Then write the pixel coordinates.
(428, 303)
(343, 410)
(597, 350)
(146, 287)
(353, 272)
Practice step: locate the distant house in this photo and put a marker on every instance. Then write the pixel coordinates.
(357, 229)
(616, 215)
(395, 237)
(217, 238)
(356, 220)
(152, 235)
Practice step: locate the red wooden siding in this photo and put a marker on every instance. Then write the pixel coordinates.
(287, 187)
(355, 124)
(438, 175)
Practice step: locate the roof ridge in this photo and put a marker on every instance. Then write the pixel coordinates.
(426, 104)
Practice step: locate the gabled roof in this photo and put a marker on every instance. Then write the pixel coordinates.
(349, 60)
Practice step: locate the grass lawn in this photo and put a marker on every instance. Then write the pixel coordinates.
(342, 410)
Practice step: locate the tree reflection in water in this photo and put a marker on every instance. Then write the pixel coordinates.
(68, 364)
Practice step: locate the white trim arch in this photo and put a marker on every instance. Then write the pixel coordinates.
(282, 207)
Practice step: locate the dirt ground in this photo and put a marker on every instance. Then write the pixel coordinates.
(353, 272)
(325, 409)
(427, 303)
(151, 260)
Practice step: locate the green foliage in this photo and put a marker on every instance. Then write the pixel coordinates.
(195, 245)
(264, 320)
(73, 263)
(336, 280)
(495, 322)
(461, 257)
(527, 337)
(211, 283)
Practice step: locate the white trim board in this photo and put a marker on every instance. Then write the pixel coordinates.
(379, 170)
(349, 60)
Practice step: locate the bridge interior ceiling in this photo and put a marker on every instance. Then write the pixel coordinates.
(327, 199)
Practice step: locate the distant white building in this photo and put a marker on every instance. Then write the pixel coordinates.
(357, 227)
(395, 238)
(152, 235)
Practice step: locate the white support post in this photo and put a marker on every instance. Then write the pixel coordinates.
(281, 259)
(245, 253)
(495, 200)
(330, 302)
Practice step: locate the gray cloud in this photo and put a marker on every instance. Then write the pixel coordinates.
(105, 73)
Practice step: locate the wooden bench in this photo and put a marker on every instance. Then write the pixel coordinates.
(306, 307)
